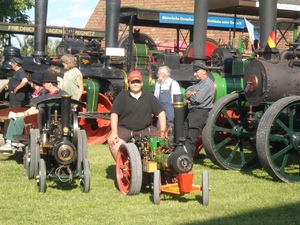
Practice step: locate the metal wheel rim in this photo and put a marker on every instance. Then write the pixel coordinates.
(278, 135)
(86, 176)
(41, 182)
(79, 149)
(225, 140)
(129, 169)
(32, 158)
(205, 188)
(156, 187)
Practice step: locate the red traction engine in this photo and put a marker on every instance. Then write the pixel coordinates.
(159, 163)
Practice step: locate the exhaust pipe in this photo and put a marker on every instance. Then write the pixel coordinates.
(41, 9)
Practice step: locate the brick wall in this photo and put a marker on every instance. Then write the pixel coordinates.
(159, 35)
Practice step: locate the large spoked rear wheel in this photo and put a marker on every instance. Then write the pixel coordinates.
(85, 180)
(227, 137)
(205, 188)
(41, 180)
(129, 169)
(278, 140)
(156, 187)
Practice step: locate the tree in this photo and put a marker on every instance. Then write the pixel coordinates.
(13, 11)
(27, 46)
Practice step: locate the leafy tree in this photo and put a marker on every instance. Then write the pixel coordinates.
(13, 11)
(51, 47)
(27, 46)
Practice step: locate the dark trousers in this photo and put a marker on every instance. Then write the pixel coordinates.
(16, 100)
(192, 128)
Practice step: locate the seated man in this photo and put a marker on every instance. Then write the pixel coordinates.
(49, 81)
(131, 114)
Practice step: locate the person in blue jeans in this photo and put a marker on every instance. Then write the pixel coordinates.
(165, 88)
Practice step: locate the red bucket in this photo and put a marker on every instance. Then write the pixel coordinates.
(185, 181)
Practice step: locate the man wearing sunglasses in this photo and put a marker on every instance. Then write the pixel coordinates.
(131, 114)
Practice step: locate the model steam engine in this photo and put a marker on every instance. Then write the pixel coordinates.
(159, 163)
(60, 152)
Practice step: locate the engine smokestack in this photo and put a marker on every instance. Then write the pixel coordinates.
(267, 20)
(40, 14)
(200, 27)
(112, 23)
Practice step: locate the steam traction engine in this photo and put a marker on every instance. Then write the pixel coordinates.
(262, 122)
(161, 163)
(60, 152)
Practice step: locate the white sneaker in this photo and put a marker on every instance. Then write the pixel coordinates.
(7, 147)
(14, 144)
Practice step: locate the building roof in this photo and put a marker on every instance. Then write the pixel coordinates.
(285, 8)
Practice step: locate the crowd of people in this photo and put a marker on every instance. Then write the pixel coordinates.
(45, 85)
(133, 110)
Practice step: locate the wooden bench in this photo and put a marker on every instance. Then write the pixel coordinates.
(4, 120)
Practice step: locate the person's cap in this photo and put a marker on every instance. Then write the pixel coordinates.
(135, 75)
(17, 60)
(49, 77)
(37, 78)
(197, 65)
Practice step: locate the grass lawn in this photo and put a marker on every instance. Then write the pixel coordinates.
(235, 198)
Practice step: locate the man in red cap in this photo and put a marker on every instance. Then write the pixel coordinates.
(131, 114)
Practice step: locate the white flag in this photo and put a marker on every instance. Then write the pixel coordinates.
(252, 30)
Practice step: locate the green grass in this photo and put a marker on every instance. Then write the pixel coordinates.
(235, 198)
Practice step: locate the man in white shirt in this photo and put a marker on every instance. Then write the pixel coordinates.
(165, 88)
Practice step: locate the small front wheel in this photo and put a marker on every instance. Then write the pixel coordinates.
(156, 187)
(205, 188)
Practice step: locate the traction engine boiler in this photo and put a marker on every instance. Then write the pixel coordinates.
(262, 121)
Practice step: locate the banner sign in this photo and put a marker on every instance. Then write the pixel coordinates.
(212, 21)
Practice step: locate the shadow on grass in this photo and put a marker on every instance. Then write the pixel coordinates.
(65, 186)
(260, 175)
(17, 156)
(273, 215)
(111, 174)
(182, 198)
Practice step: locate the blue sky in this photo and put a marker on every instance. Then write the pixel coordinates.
(69, 13)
